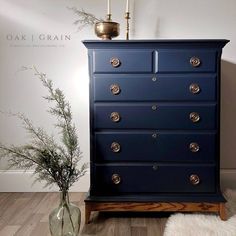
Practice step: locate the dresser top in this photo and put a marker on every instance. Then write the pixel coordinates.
(220, 43)
(159, 41)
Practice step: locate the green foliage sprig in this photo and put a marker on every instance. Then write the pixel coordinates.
(52, 162)
(84, 18)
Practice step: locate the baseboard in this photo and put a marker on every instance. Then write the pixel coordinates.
(22, 181)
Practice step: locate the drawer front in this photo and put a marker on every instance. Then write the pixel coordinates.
(154, 146)
(120, 61)
(186, 60)
(153, 88)
(155, 116)
(115, 179)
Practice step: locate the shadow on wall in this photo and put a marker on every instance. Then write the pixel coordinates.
(228, 115)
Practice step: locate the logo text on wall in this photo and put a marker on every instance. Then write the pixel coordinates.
(38, 40)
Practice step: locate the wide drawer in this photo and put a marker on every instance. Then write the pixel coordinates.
(154, 146)
(151, 60)
(187, 60)
(120, 61)
(154, 87)
(154, 116)
(147, 178)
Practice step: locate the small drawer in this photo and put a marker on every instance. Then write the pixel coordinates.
(154, 88)
(123, 61)
(155, 116)
(153, 178)
(187, 60)
(156, 146)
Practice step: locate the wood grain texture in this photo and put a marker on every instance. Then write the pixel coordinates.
(139, 231)
(26, 214)
(222, 211)
(9, 230)
(154, 207)
(156, 226)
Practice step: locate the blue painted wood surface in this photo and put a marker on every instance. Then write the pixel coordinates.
(154, 87)
(155, 146)
(155, 73)
(145, 179)
(166, 116)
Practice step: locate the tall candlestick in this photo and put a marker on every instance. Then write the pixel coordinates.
(127, 17)
(127, 6)
(108, 7)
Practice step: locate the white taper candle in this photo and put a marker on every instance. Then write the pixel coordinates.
(127, 6)
(108, 7)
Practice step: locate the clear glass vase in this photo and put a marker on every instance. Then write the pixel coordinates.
(65, 219)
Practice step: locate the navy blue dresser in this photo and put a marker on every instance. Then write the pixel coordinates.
(155, 125)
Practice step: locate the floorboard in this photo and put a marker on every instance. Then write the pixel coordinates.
(26, 214)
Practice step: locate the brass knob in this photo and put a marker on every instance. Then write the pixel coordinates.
(154, 107)
(195, 61)
(155, 167)
(115, 147)
(194, 147)
(194, 117)
(154, 135)
(115, 89)
(115, 62)
(194, 179)
(115, 116)
(194, 88)
(116, 179)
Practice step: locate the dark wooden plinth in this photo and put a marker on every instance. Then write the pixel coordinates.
(154, 207)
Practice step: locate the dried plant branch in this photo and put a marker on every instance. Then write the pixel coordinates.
(53, 163)
(84, 18)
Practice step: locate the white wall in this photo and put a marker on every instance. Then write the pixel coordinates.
(65, 62)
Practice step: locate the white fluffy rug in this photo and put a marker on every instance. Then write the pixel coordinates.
(204, 224)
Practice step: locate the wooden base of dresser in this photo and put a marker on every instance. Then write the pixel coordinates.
(154, 207)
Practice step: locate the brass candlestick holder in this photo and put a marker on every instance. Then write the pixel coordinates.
(127, 17)
(107, 29)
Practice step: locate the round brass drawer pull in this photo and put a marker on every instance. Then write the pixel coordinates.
(115, 147)
(194, 179)
(194, 117)
(194, 88)
(115, 62)
(115, 89)
(155, 167)
(194, 147)
(154, 107)
(154, 135)
(116, 179)
(115, 116)
(195, 61)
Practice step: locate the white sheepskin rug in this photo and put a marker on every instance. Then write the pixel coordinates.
(204, 224)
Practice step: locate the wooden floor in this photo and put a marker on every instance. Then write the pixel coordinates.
(26, 214)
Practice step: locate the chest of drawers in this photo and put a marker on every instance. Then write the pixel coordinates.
(155, 125)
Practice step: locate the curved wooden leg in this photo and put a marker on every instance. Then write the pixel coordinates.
(87, 212)
(222, 211)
